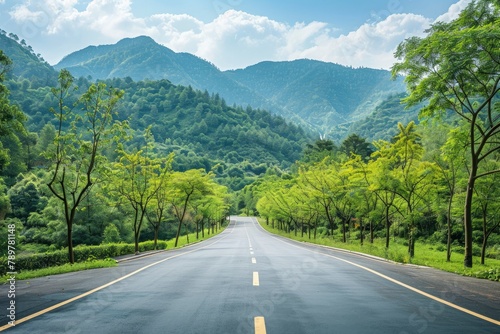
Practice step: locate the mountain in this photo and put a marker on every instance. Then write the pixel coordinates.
(316, 95)
(141, 58)
(25, 63)
(322, 94)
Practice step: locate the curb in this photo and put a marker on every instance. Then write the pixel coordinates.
(138, 256)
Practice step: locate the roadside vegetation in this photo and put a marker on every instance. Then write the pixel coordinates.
(94, 257)
(429, 255)
(432, 183)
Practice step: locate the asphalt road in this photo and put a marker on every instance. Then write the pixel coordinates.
(248, 281)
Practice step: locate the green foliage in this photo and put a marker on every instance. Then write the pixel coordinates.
(82, 254)
(456, 67)
(27, 66)
(65, 268)
(111, 234)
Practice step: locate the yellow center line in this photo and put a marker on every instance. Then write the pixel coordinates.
(260, 325)
(65, 302)
(255, 278)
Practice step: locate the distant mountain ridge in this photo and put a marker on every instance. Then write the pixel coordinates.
(141, 58)
(325, 98)
(314, 94)
(26, 64)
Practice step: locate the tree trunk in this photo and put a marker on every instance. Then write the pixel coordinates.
(178, 233)
(315, 228)
(361, 229)
(344, 239)
(448, 241)
(411, 243)
(371, 231)
(197, 229)
(71, 254)
(387, 227)
(156, 228)
(468, 215)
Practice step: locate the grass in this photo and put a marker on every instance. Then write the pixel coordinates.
(94, 264)
(62, 269)
(425, 254)
(192, 238)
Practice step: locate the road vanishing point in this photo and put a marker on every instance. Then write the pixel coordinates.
(246, 280)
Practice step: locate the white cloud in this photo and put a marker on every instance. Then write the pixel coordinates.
(453, 11)
(235, 39)
(372, 45)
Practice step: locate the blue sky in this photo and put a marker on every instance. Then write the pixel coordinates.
(346, 15)
(231, 33)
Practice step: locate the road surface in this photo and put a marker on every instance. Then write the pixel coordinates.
(247, 281)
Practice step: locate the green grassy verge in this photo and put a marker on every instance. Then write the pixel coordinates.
(425, 254)
(192, 238)
(62, 269)
(94, 264)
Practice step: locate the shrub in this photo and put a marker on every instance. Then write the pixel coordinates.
(82, 254)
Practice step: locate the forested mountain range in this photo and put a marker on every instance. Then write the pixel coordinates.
(325, 98)
(317, 95)
(26, 63)
(237, 143)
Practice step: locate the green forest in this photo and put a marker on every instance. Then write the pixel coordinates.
(86, 162)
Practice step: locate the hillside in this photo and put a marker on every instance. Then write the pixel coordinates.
(314, 94)
(328, 99)
(236, 143)
(26, 63)
(142, 58)
(322, 94)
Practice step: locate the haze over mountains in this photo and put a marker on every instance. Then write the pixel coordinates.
(317, 95)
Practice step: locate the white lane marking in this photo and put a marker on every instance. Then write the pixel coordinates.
(256, 278)
(254, 261)
(409, 287)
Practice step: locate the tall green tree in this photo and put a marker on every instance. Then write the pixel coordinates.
(457, 67)
(185, 188)
(138, 178)
(80, 137)
(11, 127)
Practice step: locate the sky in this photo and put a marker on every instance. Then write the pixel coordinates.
(231, 33)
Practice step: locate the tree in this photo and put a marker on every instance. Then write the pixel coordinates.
(487, 205)
(80, 137)
(137, 178)
(159, 204)
(187, 187)
(111, 234)
(317, 178)
(413, 178)
(354, 144)
(457, 67)
(11, 125)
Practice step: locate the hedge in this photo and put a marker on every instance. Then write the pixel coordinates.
(82, 254)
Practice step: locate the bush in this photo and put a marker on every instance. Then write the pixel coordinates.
(81, 253)
(493, 252)
(441, 248)
(490, 274)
